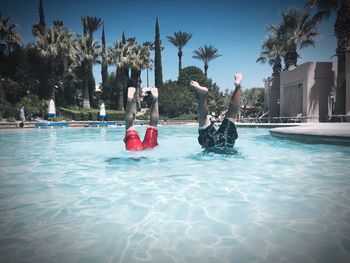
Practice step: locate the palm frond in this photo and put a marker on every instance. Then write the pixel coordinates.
(179, 39)
(206, 53)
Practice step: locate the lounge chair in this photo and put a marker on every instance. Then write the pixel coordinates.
(298, 118)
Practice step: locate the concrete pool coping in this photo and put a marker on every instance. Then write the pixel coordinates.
(62, 124)
(316, 133)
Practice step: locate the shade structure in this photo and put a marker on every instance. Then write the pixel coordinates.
(52, 109)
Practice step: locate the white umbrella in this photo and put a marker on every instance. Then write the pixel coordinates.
(102, 111)
(52, 109)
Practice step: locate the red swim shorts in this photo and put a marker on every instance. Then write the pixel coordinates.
(133, 142)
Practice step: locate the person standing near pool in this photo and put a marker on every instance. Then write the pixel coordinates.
(22, 117)
(132, 139)
(224, 137)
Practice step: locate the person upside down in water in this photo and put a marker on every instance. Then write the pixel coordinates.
(132, 139)
(210, 137)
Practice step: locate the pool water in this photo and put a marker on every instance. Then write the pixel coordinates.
(75, 195)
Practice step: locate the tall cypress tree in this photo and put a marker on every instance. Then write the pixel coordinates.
(104, 66)
(158, 75)
(41, 15)
(39, 28)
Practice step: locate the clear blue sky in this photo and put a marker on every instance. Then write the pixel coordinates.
(236, 28)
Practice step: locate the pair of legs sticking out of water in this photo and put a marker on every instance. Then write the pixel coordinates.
(210, 137)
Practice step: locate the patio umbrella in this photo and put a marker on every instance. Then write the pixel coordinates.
(102, 111)
(52, 109)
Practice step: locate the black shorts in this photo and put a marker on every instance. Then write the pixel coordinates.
(224, 137)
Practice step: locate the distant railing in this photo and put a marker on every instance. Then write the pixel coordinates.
(339, 117)
(278, 119)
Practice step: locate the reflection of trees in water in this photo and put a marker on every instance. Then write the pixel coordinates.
(103, 133)
(52, 139)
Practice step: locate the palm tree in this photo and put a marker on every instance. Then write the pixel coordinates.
(9, 39)
(206, 54)
(86, 53)
(90, 26)
(298, 30)
(55, 46)
(138, 59)
(342, 33)
(150, 45)
(272, 49)
(179, 40)
(117, 55)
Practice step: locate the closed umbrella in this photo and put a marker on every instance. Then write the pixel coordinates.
(52, 109)
(102, 111)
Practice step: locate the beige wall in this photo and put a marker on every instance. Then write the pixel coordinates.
(310, 83)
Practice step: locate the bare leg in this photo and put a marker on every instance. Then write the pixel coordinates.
(235, 99)
(202, 109)
(130, 109)
(154, 110)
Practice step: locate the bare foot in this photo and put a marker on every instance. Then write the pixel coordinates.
(131, 93)
(154, 92)
(238, 79)
(199, 88)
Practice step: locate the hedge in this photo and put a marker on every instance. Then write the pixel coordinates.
(92, 114)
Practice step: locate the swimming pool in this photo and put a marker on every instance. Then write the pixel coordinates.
(75, 195)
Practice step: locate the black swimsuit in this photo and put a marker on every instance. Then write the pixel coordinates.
(224, 137)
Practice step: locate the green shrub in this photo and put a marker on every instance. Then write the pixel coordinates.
(7, 110)
(178, 98)
(84, 116)
(215, 97)
(92, 114)
(187, 116)
(113, 115)
(33, 106)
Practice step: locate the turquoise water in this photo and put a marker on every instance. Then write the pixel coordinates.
(75, 195)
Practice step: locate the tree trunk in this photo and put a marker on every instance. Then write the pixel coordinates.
(91, 84)
(277, 67)
(125, 85)
(135, 81)
(86, 101)
(291, 58)
(121, 98)
(347, 83)
(52, 92)
(120, 89)
(147, 78)
(52, 81)
(180, 60)
(341, 85)
(206, 69)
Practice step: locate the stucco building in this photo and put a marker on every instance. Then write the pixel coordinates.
(308, 90)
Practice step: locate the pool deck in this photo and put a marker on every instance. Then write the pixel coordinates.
(316, 133)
